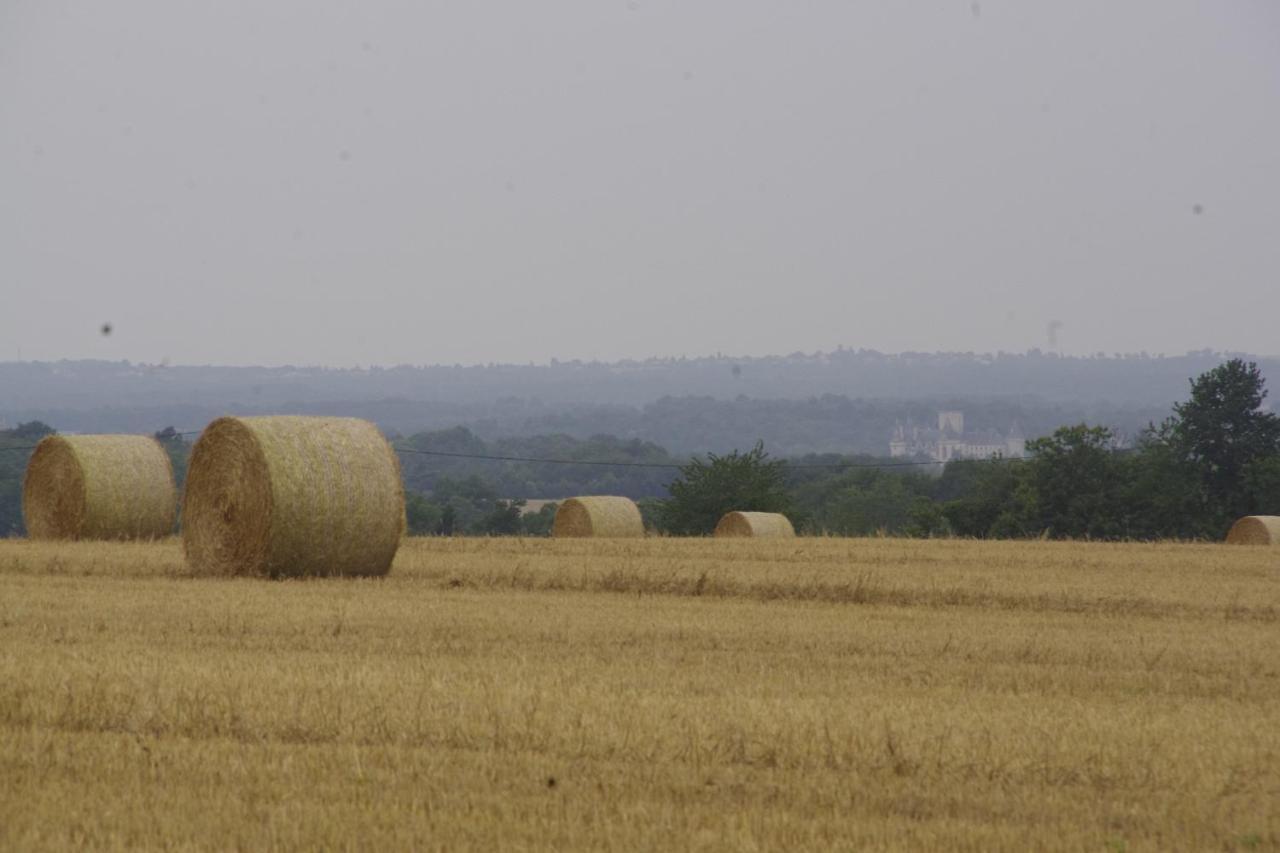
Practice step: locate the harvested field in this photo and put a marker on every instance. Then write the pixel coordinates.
(646, 693)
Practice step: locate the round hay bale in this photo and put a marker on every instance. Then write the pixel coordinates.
(292, 497)
(600, 517)
(99, 487)
(761, 525)
(1255, 530)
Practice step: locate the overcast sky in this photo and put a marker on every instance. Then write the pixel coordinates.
(428, 182)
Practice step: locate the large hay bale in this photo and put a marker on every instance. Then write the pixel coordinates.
(1255, 530)
(99, 487)
(600, 516)
(761, 525)
(292, 497)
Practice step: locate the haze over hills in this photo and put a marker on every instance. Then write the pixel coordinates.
(842, 401)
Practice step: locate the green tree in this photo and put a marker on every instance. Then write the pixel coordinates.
(1075, 485)
(539, 523)
(15, 450)
(982, 498)
(861, 503)
(927, 519)
(422, 516)
(448, 521)
(1163, 494)
(502, 520)
(179, 452)
(705, 491)
(1223, 432)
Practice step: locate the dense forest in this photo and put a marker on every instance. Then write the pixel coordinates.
(1215, 457)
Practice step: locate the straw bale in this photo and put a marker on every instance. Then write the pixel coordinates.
(1255, 530)
(770, 525)
(599, 516)
(292, 496)
(99, 487)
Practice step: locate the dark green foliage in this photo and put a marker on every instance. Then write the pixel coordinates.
(30, 432)
(651, 513)
(1216, 458)
(532, 480)
(448, 521)
(705, 491)
(1229, 443)
(470, 506)
(179, 453)
(855, 501)
(1074, 486)
(927, 519)
(15, 450)
(502, 520)
(539, 523)
(422, 516)
(1163, 495)
(979, 498)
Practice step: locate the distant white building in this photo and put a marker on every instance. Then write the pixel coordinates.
(950, 441)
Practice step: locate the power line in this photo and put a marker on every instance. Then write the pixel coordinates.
(830, 466)
(807, 465)
(493, 458)
(34, 446)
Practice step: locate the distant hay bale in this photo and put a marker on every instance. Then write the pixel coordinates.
(99, 487)
(761, 525)
(292, 497)
(1255, 530)
(600, 517)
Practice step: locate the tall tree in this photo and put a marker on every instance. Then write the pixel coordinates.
(1223, 431)
(1075, 485)
(705, 491)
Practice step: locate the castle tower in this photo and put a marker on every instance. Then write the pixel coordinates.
(1016, 442)
(951, 423)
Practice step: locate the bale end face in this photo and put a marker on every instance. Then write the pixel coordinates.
(1255, 530)
(606, 517)
(760, 525)
(99, 487)
(292, 497)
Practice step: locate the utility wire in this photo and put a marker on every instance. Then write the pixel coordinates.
(825, 465)
(33, 446)
(667, 465)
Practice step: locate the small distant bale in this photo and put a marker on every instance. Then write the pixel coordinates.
(99, 487)
(1255, 530)
(289, 496)
(601, 517)
(760, 525)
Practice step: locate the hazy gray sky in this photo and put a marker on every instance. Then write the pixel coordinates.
(422, 182)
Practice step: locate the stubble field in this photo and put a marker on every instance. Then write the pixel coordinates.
(653, 694)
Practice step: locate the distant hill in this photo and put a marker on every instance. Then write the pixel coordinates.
(843, 401)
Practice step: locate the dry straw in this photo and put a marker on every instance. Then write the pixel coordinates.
(1255, 530)
(770, 525)
(99, 487)
(292, 497)
(600, 517)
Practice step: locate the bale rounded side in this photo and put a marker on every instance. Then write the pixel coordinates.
(292, 496)
(1255, 530)
(761, 525)
(99, 487)
(602, 516)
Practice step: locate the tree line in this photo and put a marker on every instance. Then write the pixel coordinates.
(1215, 458)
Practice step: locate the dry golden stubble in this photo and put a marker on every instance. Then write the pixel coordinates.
(607, 517)
(291, 496)
(761, 525)
(99, 487)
